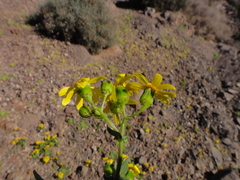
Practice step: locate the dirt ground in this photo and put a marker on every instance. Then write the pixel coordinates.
(196, 137)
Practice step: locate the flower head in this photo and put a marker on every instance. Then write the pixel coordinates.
(155, 86)
(60, 175)
(134, 168)
(70, 91)
(46, 159)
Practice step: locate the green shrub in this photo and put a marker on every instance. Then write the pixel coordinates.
(161, 5)
(85, 22)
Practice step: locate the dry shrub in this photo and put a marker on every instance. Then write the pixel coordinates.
(209, 19)
(85, 22)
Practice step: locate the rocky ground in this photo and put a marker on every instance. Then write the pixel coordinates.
(196, 137)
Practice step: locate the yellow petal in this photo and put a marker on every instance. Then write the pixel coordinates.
(70, 94)
(95, 79)
(157, 80)
(79, 102)
(119, 77)
(64, 91)
(124, 79)
(96, 94)
(166, 93)
(141, 78)
(134, 86)
(165, 86)
(162, 98)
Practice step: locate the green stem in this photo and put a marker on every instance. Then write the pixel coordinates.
(104, 116)
(121, 144)
(103, 103)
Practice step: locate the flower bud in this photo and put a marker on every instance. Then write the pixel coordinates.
(106, 87)
(96, 114)
(115, 107)
(122, 95)
(146, 99)
(85, 92)
(85, 111)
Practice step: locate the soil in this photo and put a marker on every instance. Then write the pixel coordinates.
(196, 137)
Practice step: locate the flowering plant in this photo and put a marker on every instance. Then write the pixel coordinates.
(112, 98)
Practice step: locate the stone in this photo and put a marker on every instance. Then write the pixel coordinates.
(228, 96)
(142, 159)
(232, 91)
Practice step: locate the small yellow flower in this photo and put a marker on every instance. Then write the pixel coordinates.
(151, 168)
(54, 137)
(58, 152)
(134, 168)
(146, 164)
(46, 159)
(61, 164)
(47, 133)
(144, 173)
(165, 145)
(24, 138)
(108, 160)
(31, 156)
(147, 130)
(60, 175)
(217, 141)
(16, 128)
(36, 151)
(88, 161)
(48, 137)
(13, 142)
(39, 142)
(41, 126)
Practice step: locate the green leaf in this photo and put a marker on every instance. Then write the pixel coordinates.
(116, 134)
(130, 175)
(124, 167)
(37, 176)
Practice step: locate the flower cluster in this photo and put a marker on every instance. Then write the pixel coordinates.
(19, 141)
(116, 94)
(42, 147)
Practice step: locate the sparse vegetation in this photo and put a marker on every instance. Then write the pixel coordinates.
(82, 21)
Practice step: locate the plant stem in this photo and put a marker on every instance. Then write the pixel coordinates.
(121, 144)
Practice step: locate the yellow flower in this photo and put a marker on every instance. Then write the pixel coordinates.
(58, 152)
(46, 159)
(88, 161)
(147, 130)
(60, 175)
(54, 137)
(36, 151)
(16, 128)
(47, 133)
(108, 160)
(134, 168)
(41, 125)
(155, 86)
(13, 142)
(151, 168)
(70, 91)
(39, 142)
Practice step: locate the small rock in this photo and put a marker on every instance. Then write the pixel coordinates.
(84, 171)
(232, 91)
(142, 159)
(238, 85)
(228, 96)
(227, 141)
